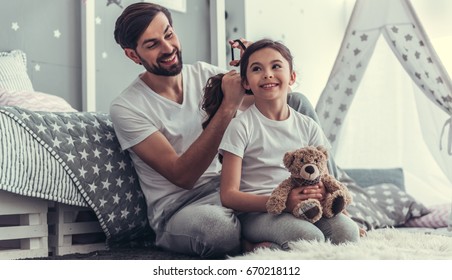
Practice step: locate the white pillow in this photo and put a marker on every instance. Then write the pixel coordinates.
(13, 71)
(34, 101)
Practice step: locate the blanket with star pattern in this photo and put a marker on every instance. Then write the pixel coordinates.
(74, 158)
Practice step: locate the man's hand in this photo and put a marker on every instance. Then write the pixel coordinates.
(299, 194)
(233, 91)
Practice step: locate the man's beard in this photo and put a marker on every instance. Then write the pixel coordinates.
(162, 71)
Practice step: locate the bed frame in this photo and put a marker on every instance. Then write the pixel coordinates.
(33, 228)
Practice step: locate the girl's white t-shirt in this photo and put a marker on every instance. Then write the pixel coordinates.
(262, 143)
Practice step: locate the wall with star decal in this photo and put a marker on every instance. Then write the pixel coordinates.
(49, 33)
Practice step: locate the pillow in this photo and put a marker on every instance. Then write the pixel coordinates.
(13, 71)
(35, 101)
(366, 213)
(369, 177)
(397, 204)
(382, 205)
(437, 218)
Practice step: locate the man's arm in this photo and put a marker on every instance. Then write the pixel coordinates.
(184, 170)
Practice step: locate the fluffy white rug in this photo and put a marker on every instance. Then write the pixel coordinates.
(384, 244)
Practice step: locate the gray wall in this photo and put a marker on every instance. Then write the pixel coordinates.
(54, 63)
(58, 60)
(235, 23)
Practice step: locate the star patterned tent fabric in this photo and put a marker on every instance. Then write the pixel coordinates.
(396, 20)
(74, 158)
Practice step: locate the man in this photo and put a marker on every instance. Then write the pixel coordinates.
(158, 119)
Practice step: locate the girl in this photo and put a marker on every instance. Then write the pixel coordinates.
(254, 144)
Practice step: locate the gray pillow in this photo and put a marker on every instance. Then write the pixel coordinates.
(370, 177)
(381, 205)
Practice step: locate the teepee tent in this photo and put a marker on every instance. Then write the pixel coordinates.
(398, 23)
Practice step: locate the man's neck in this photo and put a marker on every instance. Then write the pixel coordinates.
(169, 87)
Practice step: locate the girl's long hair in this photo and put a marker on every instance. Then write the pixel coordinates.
(213, 96)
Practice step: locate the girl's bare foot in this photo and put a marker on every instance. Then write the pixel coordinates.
(362, 232)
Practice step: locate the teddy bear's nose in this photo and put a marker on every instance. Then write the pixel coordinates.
(309, 169)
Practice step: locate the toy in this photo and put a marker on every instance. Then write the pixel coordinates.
(308, 166)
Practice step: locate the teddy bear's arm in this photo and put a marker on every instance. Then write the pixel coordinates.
(331, 184)
(277, 201)
(340, 186)
(335, 189)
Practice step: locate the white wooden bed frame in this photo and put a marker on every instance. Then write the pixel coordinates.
(33, 228)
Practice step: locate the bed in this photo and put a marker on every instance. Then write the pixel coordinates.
(57, 158)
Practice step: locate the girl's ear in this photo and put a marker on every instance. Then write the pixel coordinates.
(293, 78)
(130, 53)
(245, 85)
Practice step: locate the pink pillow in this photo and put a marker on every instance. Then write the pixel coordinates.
(437, 218)
(34, 101)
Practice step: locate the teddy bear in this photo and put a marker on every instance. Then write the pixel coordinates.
(308, 166)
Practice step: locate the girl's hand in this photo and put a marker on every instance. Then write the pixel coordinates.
(316, 191)
(299, 194)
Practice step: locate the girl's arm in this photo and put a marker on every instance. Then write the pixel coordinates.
(230, 193)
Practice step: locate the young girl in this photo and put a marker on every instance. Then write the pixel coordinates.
(253, 147)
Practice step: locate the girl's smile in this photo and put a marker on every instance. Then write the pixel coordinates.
(269, 86)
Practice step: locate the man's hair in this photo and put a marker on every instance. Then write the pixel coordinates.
(134, 20)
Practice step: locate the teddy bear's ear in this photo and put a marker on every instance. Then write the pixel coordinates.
(323, 150)
(288, 159)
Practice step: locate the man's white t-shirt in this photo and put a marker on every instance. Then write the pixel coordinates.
(138, 112)
(262, 143)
